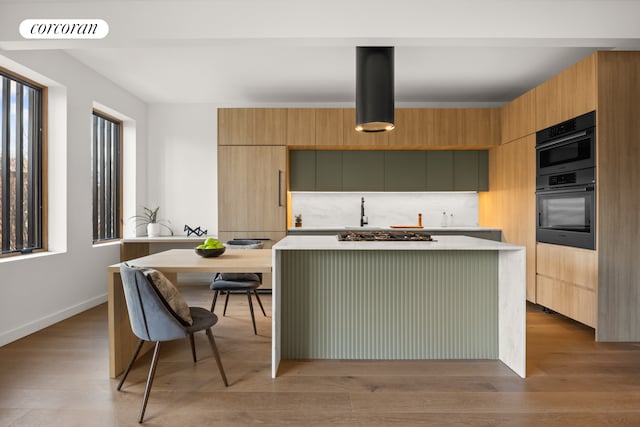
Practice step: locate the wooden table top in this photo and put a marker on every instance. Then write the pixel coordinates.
(186, 260)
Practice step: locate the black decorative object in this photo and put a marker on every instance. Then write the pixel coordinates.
(197, 231)
(374, 89)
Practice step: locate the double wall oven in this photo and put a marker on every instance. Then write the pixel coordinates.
(566, 183)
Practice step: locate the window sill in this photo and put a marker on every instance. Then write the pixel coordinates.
(23, 257)
(113, 242)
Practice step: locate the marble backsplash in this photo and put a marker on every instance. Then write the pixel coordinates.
(327, 209)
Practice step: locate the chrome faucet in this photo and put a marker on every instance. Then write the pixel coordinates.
(363, 219)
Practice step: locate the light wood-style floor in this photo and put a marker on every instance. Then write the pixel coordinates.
(59, 377)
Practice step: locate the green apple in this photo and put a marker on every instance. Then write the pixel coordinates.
(200, 247)
(210, 241)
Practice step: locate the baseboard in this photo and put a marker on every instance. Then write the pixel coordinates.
(43, 322)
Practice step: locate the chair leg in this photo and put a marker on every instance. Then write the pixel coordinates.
(259, 302)
(152, 373)
(215, 298)
(193, 347)
(214, 347)
(133, 359)
(253, 318)
(226, 301)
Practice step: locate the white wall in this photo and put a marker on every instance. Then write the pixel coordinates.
(41, 289)
(182, 174)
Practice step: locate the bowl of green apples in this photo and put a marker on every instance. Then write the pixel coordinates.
(210, 248)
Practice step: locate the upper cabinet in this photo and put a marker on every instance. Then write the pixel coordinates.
(567, 95)
(446, 127)
(301, 126)
(329, 126)
(335, 127)
(414, 127)
(518, 118)
(252, 126)
(388, 170)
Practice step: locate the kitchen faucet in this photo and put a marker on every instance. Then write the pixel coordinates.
(363, 219)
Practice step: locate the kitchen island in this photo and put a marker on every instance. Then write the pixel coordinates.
(456, 297)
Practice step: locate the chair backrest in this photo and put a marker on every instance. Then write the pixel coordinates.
(150, 319)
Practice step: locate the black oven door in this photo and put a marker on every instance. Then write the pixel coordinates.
(572, 152)
(567, 216)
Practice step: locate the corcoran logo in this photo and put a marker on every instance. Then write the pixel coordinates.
(64, 29)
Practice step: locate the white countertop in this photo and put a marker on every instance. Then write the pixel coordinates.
(452, 228)
(440, 243)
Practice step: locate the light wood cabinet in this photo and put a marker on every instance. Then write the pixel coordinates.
(301, 126)
(510, 202)
(518, 118)
(329, 126)
(252, 126)
(572, 301)
(251, 188)
(567, 281)
(414, 127)
(466, 127)
(446, 128)
(351, 137)
(618, 202)
(569, 94)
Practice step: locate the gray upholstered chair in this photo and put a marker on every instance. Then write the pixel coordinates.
(237, 282)
(152, 320)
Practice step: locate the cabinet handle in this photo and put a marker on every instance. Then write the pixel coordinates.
(279, 188)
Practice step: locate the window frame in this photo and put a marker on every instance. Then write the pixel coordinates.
(44, 201)
(119, 198)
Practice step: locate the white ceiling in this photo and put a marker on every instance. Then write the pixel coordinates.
(250, 52)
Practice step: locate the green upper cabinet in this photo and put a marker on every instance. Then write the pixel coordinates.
(439, 170)
(388, 170)
(465, 170)
(404, 170)
(328, 170)
(470, 171)
(483, 170)
(302, 174)
(363, 170)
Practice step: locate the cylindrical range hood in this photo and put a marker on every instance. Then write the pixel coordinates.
(374, 89)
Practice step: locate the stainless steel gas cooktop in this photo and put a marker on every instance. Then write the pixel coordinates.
(383, 235)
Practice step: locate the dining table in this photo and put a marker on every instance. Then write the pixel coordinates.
(122, 341)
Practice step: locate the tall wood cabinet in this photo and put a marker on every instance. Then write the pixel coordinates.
(618, 198)
(251, 188)
(252, 171)
(510, 202)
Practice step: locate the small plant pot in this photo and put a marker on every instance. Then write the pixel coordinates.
(153, 229)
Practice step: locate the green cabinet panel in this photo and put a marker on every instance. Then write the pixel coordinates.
(465, 170)
(405, 170)
(439, 170)
(302, 170)
(363, 170)
(391, 170)
(328, 170)
(483, 170)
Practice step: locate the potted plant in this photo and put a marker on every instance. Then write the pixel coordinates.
(149, 217)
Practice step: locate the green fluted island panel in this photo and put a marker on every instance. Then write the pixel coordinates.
(389, 304)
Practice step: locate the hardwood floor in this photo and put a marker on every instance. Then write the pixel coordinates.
(59, 377)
